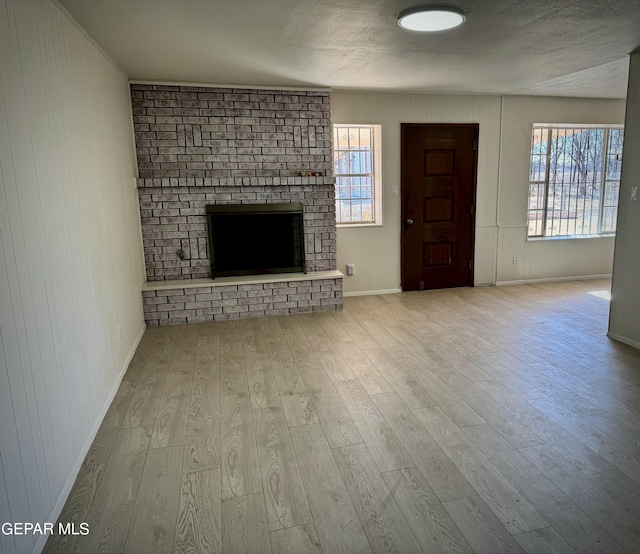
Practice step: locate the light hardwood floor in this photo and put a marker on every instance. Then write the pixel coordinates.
(470, 420)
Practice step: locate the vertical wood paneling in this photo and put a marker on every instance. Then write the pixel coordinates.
(375, 251)
(551, 258)
(69, 276)
(625, 288)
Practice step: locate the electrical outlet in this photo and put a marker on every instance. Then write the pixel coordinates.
(394, 190)
(634, 193)
(350, 269)
(515, 260)
(118, 328)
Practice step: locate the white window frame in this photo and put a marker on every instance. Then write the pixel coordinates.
(545, 181)
(376, 175)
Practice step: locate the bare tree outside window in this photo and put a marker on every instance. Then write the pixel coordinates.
(574, 180)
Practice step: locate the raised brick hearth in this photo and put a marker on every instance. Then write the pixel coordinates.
(201, 145)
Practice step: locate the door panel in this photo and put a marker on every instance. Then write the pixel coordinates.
(438, 196)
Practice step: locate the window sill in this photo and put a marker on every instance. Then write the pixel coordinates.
(580, 237)
(358, 225)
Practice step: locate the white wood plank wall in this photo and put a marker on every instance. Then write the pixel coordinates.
(624, 323)
(543, 259)
(70, 254)
(376, 251)
(503, 168)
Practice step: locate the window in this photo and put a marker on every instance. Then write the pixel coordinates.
(574, 180)
(357, 168)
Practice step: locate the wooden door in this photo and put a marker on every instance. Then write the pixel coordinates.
(438, 203)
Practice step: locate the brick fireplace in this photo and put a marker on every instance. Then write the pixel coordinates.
(200, 146)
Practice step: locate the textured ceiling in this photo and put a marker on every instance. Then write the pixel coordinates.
(549, 47)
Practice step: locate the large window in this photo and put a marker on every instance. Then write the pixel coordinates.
(357, 168)
(574, 180)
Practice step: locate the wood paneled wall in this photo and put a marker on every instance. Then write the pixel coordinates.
(624, 323)
(543, 259)
(503, 168)
(70, 255)
(375, 251)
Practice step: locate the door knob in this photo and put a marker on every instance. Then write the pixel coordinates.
(409, 221)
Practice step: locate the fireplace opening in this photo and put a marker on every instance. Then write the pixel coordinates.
(252, 239)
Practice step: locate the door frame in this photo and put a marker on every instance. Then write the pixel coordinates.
(403, 188)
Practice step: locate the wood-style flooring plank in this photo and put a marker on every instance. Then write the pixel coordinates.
(106, 435)
(76, 508)
(285, 496)
(334, 418)
(335, 366)
(403, 384)
(381, 518)
(507, 367)
(290, 335)
(515, 432)
(207, 361)
(574, 525)
(370, 378)
(233, 372)
(183, 356)
(244, 525)
(173, 411)
(431, 523)
(334, 515)
(610, 449)
(296, 402)
(153, 524)
(386, 449)
(202, 442)
(112, 507)
(160, 351)
(140, 356)
(438, 469)
(565, 443)
(240, 471)
(145, 400)
(481, 527)
(199, 522)
(455, 407)
(543, 541)
(619, 486)
(296, 540)
(511, 508)
(623, 526)
(261, 381)
(576, 528)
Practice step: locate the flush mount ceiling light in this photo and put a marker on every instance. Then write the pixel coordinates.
(430, 19)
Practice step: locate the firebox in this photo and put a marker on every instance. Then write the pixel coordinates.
(253, 239)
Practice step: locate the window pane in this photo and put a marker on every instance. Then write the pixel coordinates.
(573, 180)
(538, 168)
(366, 162)
(612, 191)
(535, 224)
(536, 196)
(367, 210)
(609, 217)
(354, 168)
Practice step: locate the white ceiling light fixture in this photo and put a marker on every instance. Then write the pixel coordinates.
(430, 19)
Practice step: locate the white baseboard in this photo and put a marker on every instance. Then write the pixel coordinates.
(371, 292)
(624, 340)
(64, 494)
(554, 279)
